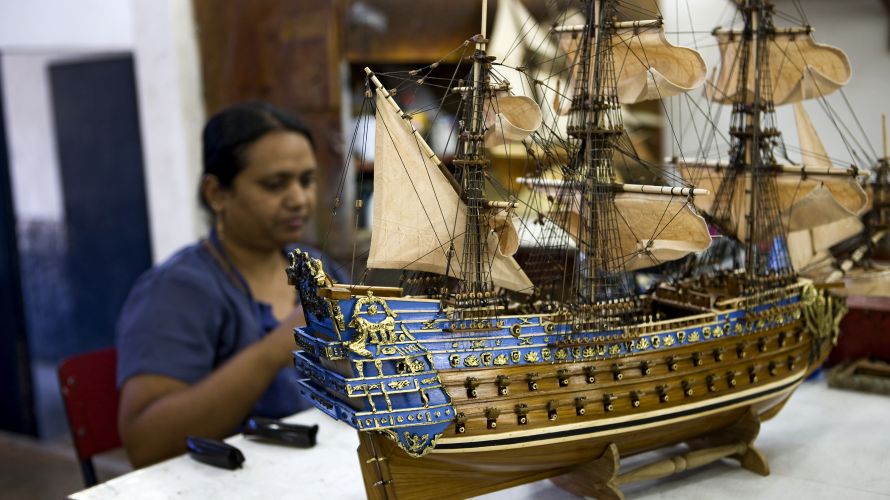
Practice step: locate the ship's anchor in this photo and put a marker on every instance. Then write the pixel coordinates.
(382, 332)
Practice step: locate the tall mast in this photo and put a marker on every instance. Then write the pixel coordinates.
(475, 294)
(752, 162)
(596, 124)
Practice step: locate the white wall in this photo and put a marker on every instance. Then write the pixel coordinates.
(161, 36)
(859, 27)
(31, 137)
(171, 112)
(65, 25)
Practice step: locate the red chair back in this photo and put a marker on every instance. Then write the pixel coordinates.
(89, 390)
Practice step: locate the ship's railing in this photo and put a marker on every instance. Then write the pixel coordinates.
(672, 324)
(762, 297)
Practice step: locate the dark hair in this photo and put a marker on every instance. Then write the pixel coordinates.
(229, 133)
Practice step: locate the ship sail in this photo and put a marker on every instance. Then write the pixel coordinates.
(516, 37)
(510, 118)
(810, 245)
(806, 198)
(419, 219)
(800, 68)
(656, 224)
(812, 150)
(529, 61)
(647, 65)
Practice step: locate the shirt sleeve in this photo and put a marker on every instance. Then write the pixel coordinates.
(171, 325)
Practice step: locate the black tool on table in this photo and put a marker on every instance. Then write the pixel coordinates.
(301, 436)
(214, 452)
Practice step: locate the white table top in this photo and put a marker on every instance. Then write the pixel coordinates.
(825, 444)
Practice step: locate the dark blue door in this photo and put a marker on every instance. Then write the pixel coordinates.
(100, 157)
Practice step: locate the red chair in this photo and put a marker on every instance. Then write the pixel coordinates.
(89, 390)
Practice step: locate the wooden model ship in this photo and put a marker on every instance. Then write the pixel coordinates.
(480, 373)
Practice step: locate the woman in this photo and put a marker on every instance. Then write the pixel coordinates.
(205, 339)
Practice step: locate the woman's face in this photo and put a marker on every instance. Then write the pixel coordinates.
(271, 200)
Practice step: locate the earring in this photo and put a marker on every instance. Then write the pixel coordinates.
(218, 224)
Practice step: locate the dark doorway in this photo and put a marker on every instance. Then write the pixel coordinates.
(17, 413)
(100, 158)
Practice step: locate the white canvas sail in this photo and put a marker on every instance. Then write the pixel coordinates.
(647, 66)
(656, 224)
(810, 246)
(799, 67)
(510, 118)
(812, 151)
(805, 200)
(419, 219)
(518, 41)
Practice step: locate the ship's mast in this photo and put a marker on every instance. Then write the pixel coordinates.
(596, 124)
(752, 162)
(476, 292)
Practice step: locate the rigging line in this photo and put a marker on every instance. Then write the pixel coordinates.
(821, 99)
(340, 186)
(529, 19)
(638, 9)
(454, 124)
(413, 186)
(661, 98)
(659, 171)
(361, 183)
(802, 12)
(444, 97)
(530, 46)
(874, 153)
(541, 83)
(702, 149)
(797, 149)
(854, 152)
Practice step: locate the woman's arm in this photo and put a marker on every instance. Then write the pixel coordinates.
(158, 412)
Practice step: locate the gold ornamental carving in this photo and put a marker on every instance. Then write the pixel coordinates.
(381, 332)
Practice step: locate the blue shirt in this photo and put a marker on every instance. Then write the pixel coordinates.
(189, 315)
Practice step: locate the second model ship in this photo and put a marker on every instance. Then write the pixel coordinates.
(481, 373)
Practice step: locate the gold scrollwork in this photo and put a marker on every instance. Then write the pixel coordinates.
(399, 384)
(471, 360)
(500, 360)
(693, 336)
(531, 356)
